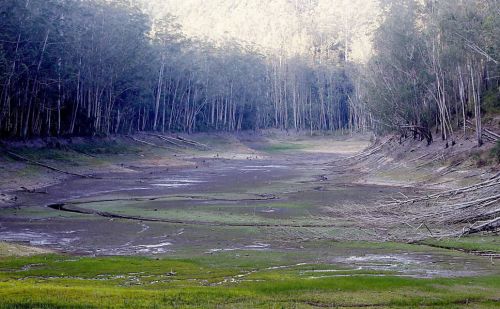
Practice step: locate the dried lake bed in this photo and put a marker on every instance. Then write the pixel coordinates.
(261, 200)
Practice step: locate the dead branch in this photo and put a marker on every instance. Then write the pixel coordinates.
(167, 139)
(33, 162)
(148, 143)
(485, 227)
(33, 191)
(191, 142)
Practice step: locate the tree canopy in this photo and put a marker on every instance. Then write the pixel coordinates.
(88, 67)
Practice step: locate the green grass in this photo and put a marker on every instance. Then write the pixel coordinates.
(57, 281)
(37, 213)
(471, 243)
(283, 147)
(106, 147)
(196, 211)
(78, 154)
(53, 154)
(491, 103)
(495, 152)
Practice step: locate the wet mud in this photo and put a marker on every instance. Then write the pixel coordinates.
(273, 201)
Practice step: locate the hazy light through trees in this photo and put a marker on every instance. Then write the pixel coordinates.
(74, 67)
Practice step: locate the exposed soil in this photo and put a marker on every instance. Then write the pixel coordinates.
(246, 192)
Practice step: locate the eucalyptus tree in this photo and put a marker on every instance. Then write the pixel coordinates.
(435, 62)
(100, 67)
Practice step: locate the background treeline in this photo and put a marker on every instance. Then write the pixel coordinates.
(87, 67)
(436, 67)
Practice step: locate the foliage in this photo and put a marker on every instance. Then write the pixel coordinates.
(492, 102)
(495, 152)
(99, 67)
(436, 65)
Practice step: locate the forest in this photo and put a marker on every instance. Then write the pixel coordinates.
(249, 153)
(100, 67)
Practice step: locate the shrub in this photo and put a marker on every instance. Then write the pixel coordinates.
(495, 152)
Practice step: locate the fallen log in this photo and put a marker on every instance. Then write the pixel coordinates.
(491, 133)
(167, 139)
(194, 143)
(489, 226)
(33, 162)
(486, 215)
(33, 191)
(343, 162)
(156, 198)
(73, 209)
(493, 181)
(148, 143)
(465, 205)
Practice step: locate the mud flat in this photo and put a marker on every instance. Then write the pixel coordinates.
(292, 211)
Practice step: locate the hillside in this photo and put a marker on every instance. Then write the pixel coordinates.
(278, 26)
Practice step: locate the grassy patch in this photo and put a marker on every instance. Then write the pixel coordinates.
(471, 243)
(53, 154)
(283, 147)
(491, 103)
(36, 213)
(199, 211)
(56, 281)
(105, 147)
(79, 154)
(495, 152)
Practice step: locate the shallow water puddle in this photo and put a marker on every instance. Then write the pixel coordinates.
(130, 249)
(39, 239)
(153, 249)
(410, 264)
(261, 168)
(258, 246)
(266, 166)
(254, 246)
(268, 211)
(175, 182)
(255, 170)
